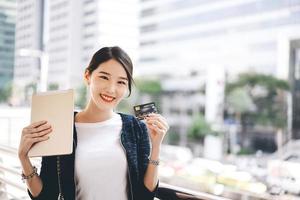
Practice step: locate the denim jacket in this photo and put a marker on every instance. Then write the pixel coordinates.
(57, 172)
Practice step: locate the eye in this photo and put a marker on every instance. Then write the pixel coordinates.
(103, 77)
(122, 82)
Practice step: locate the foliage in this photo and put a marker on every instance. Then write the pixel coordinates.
(152, 87)
(53, 86)
(5, 92)
(173, 138)
(199, 128)
(251, 79)
(263, 97)
(240, 100)
(245, 151)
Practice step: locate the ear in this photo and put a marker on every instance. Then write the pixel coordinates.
(87, 77)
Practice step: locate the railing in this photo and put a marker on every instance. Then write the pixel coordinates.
(165, 191)
(170, 192)
(8, 184)
(11, 185)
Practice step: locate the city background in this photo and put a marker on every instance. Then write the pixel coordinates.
(224, 73)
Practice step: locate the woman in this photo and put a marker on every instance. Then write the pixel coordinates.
(111, 158)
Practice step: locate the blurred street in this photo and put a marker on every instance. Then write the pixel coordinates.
(225, 74)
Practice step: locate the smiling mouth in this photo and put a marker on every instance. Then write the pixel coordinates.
(107, 98)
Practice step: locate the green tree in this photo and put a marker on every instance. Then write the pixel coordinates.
(261, 98)
(240, 101)
(5, 92)
(258, 99)
(53, 86)
(199, 129)
(149, 86)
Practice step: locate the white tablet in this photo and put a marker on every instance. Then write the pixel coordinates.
(57, 107)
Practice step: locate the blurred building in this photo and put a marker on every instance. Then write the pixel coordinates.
(29, 38)
(182, 36)
(77, 29)
(69, 32)
(182, 100)
(7, 40)
(292, 58)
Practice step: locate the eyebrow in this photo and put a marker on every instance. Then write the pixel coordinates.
(102, 72)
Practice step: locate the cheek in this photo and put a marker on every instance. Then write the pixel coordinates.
(93, 89)
(95, 86)
(123, 92)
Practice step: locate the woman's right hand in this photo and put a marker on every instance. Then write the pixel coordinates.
(34, 133)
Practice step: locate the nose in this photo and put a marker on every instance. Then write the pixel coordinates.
(110, 88)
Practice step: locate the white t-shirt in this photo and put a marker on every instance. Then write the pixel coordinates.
(100, 161)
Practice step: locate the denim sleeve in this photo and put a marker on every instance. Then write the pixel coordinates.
(144, 153)
(48, 177)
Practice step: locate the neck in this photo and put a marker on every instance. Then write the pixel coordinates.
(94, 114)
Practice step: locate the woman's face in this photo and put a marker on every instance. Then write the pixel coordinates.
(108, 84)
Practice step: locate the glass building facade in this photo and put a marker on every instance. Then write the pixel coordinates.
(29, 38)
(7, 40)
(236, 34)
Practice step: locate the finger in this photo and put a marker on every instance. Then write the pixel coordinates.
(37, 139)
(158, 117)
(152, 115)
(157, 129)
(156, 122)
(152, 128)
(164, 121)
(37, 124)
(25, 131)
(39, 134)
(154, 131)
(40, 128)
(40, 139)
(29, 142)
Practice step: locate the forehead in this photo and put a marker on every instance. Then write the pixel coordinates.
(112, 67)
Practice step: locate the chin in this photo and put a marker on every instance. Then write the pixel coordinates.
(106, 105)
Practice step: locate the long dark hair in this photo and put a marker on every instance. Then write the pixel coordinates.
(106, 53)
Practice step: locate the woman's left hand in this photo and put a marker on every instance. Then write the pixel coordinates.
(158, 127)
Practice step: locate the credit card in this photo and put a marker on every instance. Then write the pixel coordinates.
(141, 111)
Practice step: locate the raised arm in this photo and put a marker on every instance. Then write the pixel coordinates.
(32, 134)
(157, 127)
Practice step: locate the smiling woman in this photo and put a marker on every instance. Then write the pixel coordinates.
(118, 55)
(108, 84)
(104, 141)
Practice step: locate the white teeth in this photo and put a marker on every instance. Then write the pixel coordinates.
(107, 98)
